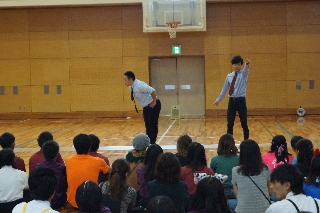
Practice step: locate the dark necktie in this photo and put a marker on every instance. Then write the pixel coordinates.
(233, 83)
(132, 99)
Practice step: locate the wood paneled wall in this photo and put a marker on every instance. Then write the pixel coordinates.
(87, 49)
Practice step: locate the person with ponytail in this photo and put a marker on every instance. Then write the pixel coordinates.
(196, 163)
(305, 154)
(278, 153)
(117, 195)
(311, 186)
(145, 173)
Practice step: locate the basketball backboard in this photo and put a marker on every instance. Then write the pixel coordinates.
(190, 13)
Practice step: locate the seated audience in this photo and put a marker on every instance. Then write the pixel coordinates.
(294, 141)
(161, 204)
(38, 157)
(117, 195)
(209, 197)
(312, 184)
(223, 163)
(42, 183)
(82, 167)
(89, 197)
(183, 144)
(145, 173)
(94, 148)
(287, 185)
(94, 153)
(250, 180)
(12, 182)
(167, 182)
(7, 140)
(304, 149)
(50, 151)
(196, 163)
(278, 153)
(136, 158)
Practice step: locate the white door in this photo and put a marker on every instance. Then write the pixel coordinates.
(179, 81)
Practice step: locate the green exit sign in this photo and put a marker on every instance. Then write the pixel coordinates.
(176, 49)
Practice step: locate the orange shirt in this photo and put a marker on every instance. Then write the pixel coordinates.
(80, 168)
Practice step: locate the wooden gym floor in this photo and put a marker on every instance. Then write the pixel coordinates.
(116, 134)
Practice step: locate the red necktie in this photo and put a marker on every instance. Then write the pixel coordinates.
(232, 83)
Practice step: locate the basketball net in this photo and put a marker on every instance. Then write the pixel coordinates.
(172, 28)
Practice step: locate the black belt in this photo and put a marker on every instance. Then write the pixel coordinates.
(151, 102)
(237, 98)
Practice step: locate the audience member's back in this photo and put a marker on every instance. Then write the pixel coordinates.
(312, 184)
(161, 204)
(209, 197)
(183, 144)
(117, 195)
(7, 140)
(304, 149)
(42, 183)
(50, 150)
(196, 163)
(38, 157)
(82, 167)
(12, 182)
(166, 183)
(89, 197)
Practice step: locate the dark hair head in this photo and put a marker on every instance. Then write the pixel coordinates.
(42, 183)
(95, 142)
(196, 156)
(294, 141)
(209, 195)
(288, 173)
(82, 143)
(280, 149)
(6, 157)
(161, 204)
(7, 140)
(227, 145)
(130, 75)
(153, 151)
(44, 137)
(237, 59)
(305, 152)
(88, 197)
(183, 144)
(117, 179)
(250, 160)
(315, 171)
(168, 169)
(50, 150)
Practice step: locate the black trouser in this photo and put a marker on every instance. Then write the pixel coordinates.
(234, 105)
(151, 117)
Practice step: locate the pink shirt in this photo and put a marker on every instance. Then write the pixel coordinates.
(269, 158)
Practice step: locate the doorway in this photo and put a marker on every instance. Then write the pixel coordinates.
(179, 81)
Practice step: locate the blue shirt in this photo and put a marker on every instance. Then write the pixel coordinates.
(142, 92)
(240, 87)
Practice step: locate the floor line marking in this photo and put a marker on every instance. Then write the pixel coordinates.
(164, 134)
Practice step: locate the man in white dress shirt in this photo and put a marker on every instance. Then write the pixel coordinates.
(147, 98)
(287, 185)
(42, 183)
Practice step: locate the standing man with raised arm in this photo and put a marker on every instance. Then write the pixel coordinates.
(147, 98)
(236, 83)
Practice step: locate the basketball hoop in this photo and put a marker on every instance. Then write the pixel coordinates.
(172, 28)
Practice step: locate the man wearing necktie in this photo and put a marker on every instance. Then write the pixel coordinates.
(236, 83)
(147, 98)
